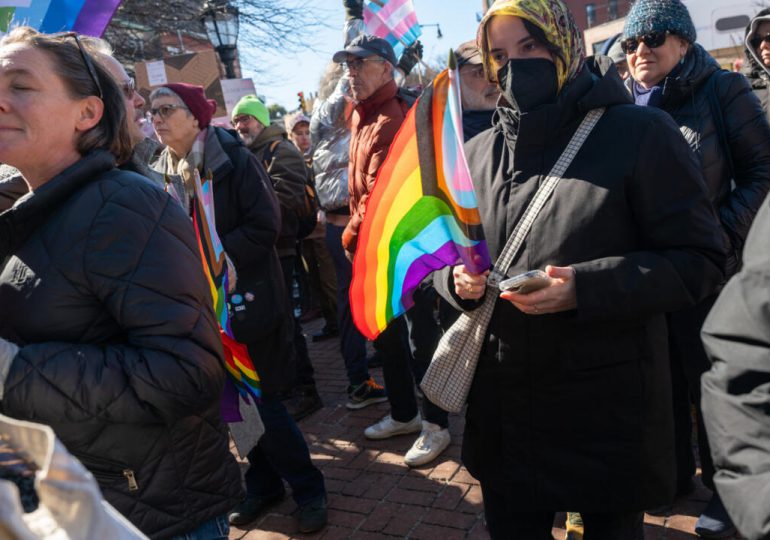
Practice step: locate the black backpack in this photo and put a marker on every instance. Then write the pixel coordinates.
(307, 214)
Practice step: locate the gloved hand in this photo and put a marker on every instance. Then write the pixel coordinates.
(354, 9)
(8, 352)
(410, 57)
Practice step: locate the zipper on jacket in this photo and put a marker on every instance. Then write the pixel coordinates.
(132, 485)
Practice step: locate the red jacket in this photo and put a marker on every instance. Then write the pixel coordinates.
(374, 125)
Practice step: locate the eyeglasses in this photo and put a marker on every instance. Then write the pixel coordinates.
(241, 119)
(129, 88)
(166, 110)
(653, 40)
(756, 41)
(357, 63)
(86, 59)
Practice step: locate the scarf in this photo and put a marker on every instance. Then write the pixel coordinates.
(185, 167)
(556, 21)
(653, 96)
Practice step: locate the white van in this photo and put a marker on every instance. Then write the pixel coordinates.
(721, 24)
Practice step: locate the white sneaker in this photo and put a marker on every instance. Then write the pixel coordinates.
(432, 441)
(387, 427)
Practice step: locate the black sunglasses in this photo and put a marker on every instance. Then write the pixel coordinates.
(129, 87)
(653, 40)
(86, 59)
(756, 41)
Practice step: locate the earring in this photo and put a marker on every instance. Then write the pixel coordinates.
(681, 61)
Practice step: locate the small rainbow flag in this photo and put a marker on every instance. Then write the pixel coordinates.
(88, 17)
(394, 21)
(422, 213)
(238, 363)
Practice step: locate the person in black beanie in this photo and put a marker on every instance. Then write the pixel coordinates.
(726, 127)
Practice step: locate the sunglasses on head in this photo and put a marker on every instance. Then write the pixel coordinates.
(86, 59)
(756, 41)
(166, 110)
(653, 40)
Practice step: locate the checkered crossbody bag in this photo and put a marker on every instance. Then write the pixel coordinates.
(449, 376)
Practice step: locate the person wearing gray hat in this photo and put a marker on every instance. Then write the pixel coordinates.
(618, 57)
(725, 125)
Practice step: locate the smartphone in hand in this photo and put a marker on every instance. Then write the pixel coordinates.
(526, 283)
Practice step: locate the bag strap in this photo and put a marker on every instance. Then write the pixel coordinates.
(522, 228)
(719, 120)
(269, 154)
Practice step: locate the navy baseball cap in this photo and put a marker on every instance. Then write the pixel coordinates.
(366, 45)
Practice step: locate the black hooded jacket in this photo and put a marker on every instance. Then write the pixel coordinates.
(568, 410)
(102, 289)
(686, 99)
(757, 73)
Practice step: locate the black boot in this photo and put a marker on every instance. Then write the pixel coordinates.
(305, 402)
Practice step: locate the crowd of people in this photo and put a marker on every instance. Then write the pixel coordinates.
(646, 169)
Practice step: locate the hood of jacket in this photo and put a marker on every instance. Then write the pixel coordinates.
(273, 132)
(756, 71)
(698, 66)
(596, 85)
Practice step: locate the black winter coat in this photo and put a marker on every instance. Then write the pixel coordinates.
(755, 70)
(248, 221)
(572, 411)
(102, 289)
(288, 174)
(686, 99)
(736, 392)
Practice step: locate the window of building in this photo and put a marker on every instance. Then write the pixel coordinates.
(727, 24)
(612, 10)
(590, 15)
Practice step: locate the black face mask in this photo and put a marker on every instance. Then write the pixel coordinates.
(529, 83)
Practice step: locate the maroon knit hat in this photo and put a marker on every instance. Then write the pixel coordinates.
(192, 95)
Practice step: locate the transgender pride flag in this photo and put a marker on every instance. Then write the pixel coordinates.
(393, 20)
(88, 17)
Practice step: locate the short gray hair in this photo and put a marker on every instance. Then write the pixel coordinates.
(165, 92)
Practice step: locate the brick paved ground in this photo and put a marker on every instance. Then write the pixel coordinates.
(373, 495)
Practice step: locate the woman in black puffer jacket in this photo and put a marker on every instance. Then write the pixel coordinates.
(107, 331)
(725, 125)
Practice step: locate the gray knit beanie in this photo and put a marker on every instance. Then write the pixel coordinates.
(659, 16)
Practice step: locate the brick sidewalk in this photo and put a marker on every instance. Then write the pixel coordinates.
(373, 495)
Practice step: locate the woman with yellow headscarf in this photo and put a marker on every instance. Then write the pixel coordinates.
(570, 407)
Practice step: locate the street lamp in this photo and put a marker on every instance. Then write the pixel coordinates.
(221, 22)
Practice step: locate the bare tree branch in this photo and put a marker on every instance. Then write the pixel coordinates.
(265, 25)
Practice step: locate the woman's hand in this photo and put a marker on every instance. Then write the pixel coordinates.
(559, 296)
(469, 286)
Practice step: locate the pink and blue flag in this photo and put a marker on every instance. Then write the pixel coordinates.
(394, 21)
(89, 17)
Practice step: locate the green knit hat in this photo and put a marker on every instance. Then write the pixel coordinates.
(253, 106)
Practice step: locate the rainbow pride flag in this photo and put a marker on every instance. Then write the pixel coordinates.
(394, 21)
(422, 213)
(238, 363)
(88, 17)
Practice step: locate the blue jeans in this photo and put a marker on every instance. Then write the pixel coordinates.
(214, 529)
(282, 454)
(352, 342)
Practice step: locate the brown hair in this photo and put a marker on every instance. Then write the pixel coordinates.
(111, 133)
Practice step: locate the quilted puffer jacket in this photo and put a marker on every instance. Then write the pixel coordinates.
(375, 122)
(102, 289)
(686, 98)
